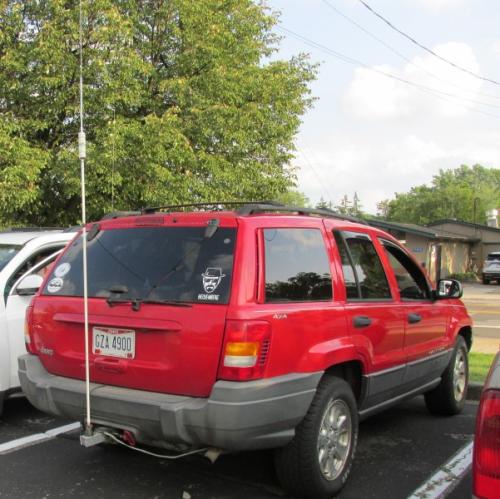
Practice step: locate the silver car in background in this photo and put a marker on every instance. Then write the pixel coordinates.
(491, 268)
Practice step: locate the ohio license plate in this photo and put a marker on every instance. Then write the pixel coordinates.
(113, 342)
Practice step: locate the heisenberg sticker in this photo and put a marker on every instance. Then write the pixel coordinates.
(55, 285)
(62, 269)
(212, 277)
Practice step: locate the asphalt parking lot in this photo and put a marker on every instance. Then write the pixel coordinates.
(398, 451)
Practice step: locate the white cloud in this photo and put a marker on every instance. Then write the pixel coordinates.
(438, 5)
(373, 95)
(377, 162)
(495, 47)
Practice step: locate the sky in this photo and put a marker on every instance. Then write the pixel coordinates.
(375, 135)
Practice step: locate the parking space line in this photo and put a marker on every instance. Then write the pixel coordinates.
(37, 438)
(447, 477)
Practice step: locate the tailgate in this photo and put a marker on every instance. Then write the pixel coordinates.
(173, 350)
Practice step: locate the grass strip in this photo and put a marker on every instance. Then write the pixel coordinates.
(479, 365)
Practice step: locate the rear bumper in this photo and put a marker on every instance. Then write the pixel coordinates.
(237, 415)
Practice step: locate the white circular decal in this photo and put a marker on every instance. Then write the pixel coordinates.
(62, 269)
(55, 285)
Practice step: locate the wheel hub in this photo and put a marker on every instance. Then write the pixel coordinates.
(334, 439)
(459, 375)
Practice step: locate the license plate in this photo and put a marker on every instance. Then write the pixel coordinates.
(113, 342)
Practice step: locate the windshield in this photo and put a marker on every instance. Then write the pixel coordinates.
(493, 257)
(150, 263)
(7, 253)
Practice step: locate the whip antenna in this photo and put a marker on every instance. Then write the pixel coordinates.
(82, 154)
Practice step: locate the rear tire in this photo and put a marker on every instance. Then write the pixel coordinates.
(485, 280)
(448, 398)
(317, 462)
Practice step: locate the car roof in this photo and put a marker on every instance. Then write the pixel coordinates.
(20, 238)
(202, 211)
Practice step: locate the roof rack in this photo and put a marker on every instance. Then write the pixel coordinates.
(254, 208)
(216, 206)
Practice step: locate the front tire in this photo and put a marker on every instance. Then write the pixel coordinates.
(485, 280)
(317, 462)
(448, 398)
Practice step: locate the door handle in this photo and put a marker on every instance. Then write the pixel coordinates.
(361, 321)
(414, 318)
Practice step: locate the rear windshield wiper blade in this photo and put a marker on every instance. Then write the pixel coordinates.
(174, 303)
(137, 302)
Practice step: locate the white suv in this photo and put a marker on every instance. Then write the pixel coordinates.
(491, 268)
(25, 256)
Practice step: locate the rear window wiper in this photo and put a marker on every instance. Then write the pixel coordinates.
(137, 302)
(174, 303)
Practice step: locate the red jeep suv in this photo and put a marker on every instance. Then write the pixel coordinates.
(264, 327)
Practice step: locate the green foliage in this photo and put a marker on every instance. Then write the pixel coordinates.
(294, 198)
(464, 193)
(345, 207)
(479, 365)
(182, 104)
(464, 276)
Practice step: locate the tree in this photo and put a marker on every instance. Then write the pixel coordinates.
(323, 204)
(293, 198)
(183, 103)
(464, 193)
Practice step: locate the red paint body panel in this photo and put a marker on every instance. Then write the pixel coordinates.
(178, 350)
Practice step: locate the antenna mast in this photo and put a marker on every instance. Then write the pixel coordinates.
(82, 154)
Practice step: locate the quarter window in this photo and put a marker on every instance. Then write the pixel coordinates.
(297, 266)
(364, 275)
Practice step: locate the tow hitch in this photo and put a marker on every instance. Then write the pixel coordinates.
(100, 435)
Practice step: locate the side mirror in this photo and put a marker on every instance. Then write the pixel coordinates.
(29, 285)
(449, 288)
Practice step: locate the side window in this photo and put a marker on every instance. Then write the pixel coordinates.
(347, 268)
(297, 266)
(364, 274)
(411, 281)
(33, 260)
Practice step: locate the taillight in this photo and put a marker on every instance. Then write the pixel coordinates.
(486, 466)
(246, 350)
(27, 329)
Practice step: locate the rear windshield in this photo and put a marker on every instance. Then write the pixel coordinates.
(150, 263)
(493, 256)
(7, 253)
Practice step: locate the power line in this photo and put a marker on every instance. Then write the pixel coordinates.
(427, 49)
(399, 54)
(436, 93)
(321, 183)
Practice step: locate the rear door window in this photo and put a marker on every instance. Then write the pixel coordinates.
(364, 274)
(297, 266)
(150, 263)
(411, 280)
